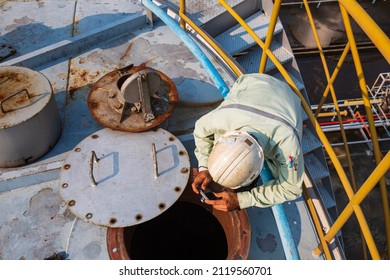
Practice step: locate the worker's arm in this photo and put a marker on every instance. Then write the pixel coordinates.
(287, 167)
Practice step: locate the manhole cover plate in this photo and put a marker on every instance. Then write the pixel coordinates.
(103, 98)
(119, 179)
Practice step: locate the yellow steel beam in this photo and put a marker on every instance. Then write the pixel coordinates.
(365, 189)
(369, 26)
(335, 102)
(270, 34)
(367, 105)
(332, 91)
(333, 78)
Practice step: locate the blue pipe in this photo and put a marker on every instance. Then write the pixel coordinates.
(289, 247)
(191, 45)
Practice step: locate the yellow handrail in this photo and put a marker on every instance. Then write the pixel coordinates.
(369, 26)
(211, 42)
(317, 224)
(367, 105)
(368, 185)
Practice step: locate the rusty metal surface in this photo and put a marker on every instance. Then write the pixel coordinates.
(235, 224)
(35, 93)
(103, 93)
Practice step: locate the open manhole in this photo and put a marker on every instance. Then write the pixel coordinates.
(185, 231)
(188, 230)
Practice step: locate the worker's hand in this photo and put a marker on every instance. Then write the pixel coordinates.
(202, 179)
(227, 201)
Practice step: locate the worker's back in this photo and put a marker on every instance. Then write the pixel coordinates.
(268, 94)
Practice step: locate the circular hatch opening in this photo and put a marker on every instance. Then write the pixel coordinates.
(188, 230)
(185, 231)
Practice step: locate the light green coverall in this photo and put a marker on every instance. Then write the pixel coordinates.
(271, 112)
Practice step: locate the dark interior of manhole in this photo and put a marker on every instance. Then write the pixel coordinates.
(185, 231)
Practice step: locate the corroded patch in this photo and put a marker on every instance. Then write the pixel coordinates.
(101, 98)
(267, 244)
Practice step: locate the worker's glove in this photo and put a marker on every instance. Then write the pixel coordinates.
(202, 179)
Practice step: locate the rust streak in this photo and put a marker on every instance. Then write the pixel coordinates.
(126, 51)
(146, 62)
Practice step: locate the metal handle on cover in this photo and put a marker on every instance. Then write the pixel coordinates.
(10, 96)
(93, 159)
(154, 160)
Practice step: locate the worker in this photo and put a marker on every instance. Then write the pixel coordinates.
(260, 120)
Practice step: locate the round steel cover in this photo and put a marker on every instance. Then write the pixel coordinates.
(119, 179)
(105, 106)
(29, 121)
(23, 94)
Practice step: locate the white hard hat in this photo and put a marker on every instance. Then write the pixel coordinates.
(235, 160)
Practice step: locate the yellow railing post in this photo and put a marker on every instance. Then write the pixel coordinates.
(324, 247)
(182, 10)
(367, 105)
(270, 34)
